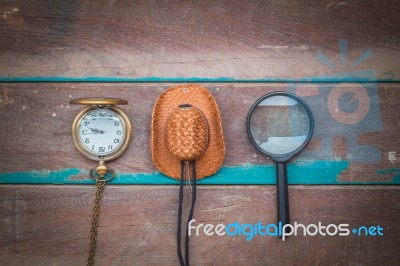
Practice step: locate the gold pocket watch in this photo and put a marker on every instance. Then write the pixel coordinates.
(101, 132)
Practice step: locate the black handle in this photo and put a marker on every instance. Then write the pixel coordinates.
(282, 193)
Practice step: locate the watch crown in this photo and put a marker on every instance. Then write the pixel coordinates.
(102, 170)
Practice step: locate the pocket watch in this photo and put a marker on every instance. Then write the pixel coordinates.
(101, 132)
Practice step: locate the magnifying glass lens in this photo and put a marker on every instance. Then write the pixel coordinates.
(279, 124)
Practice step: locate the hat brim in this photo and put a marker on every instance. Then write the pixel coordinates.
(212, 159)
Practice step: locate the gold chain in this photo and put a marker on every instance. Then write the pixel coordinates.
(99, 174)
(95, 219)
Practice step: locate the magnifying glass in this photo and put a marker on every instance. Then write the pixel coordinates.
(280, 125)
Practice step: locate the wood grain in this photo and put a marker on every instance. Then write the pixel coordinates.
(49, 225)
(37, 119)
(208, 39)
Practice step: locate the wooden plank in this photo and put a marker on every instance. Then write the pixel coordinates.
(49, 225)
(37, 147)
(209, 40)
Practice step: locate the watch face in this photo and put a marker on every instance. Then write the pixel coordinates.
(101, 131)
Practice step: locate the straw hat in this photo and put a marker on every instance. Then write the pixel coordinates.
(202, 138)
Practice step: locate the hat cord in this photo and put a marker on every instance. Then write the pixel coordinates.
(179, 231)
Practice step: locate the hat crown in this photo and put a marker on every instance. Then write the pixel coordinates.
(187, 133)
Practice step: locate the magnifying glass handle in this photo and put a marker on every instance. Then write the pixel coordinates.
(282, 193)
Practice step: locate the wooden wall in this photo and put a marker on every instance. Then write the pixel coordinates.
(341, 57)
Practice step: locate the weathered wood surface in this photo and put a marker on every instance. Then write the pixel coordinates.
(36, 133)
(208, 39)
(49, 225)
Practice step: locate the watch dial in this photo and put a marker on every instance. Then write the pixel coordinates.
(101, 131)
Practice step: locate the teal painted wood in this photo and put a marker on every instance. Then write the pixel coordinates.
(346, 77)
(338, 163)
(317, 172)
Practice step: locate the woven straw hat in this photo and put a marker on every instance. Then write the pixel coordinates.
(198, 129)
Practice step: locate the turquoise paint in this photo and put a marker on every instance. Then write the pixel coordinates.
(40, 177)
(394, 172)
(343, 77)
(300, 172)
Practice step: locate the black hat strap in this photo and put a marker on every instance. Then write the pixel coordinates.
(179, 229)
